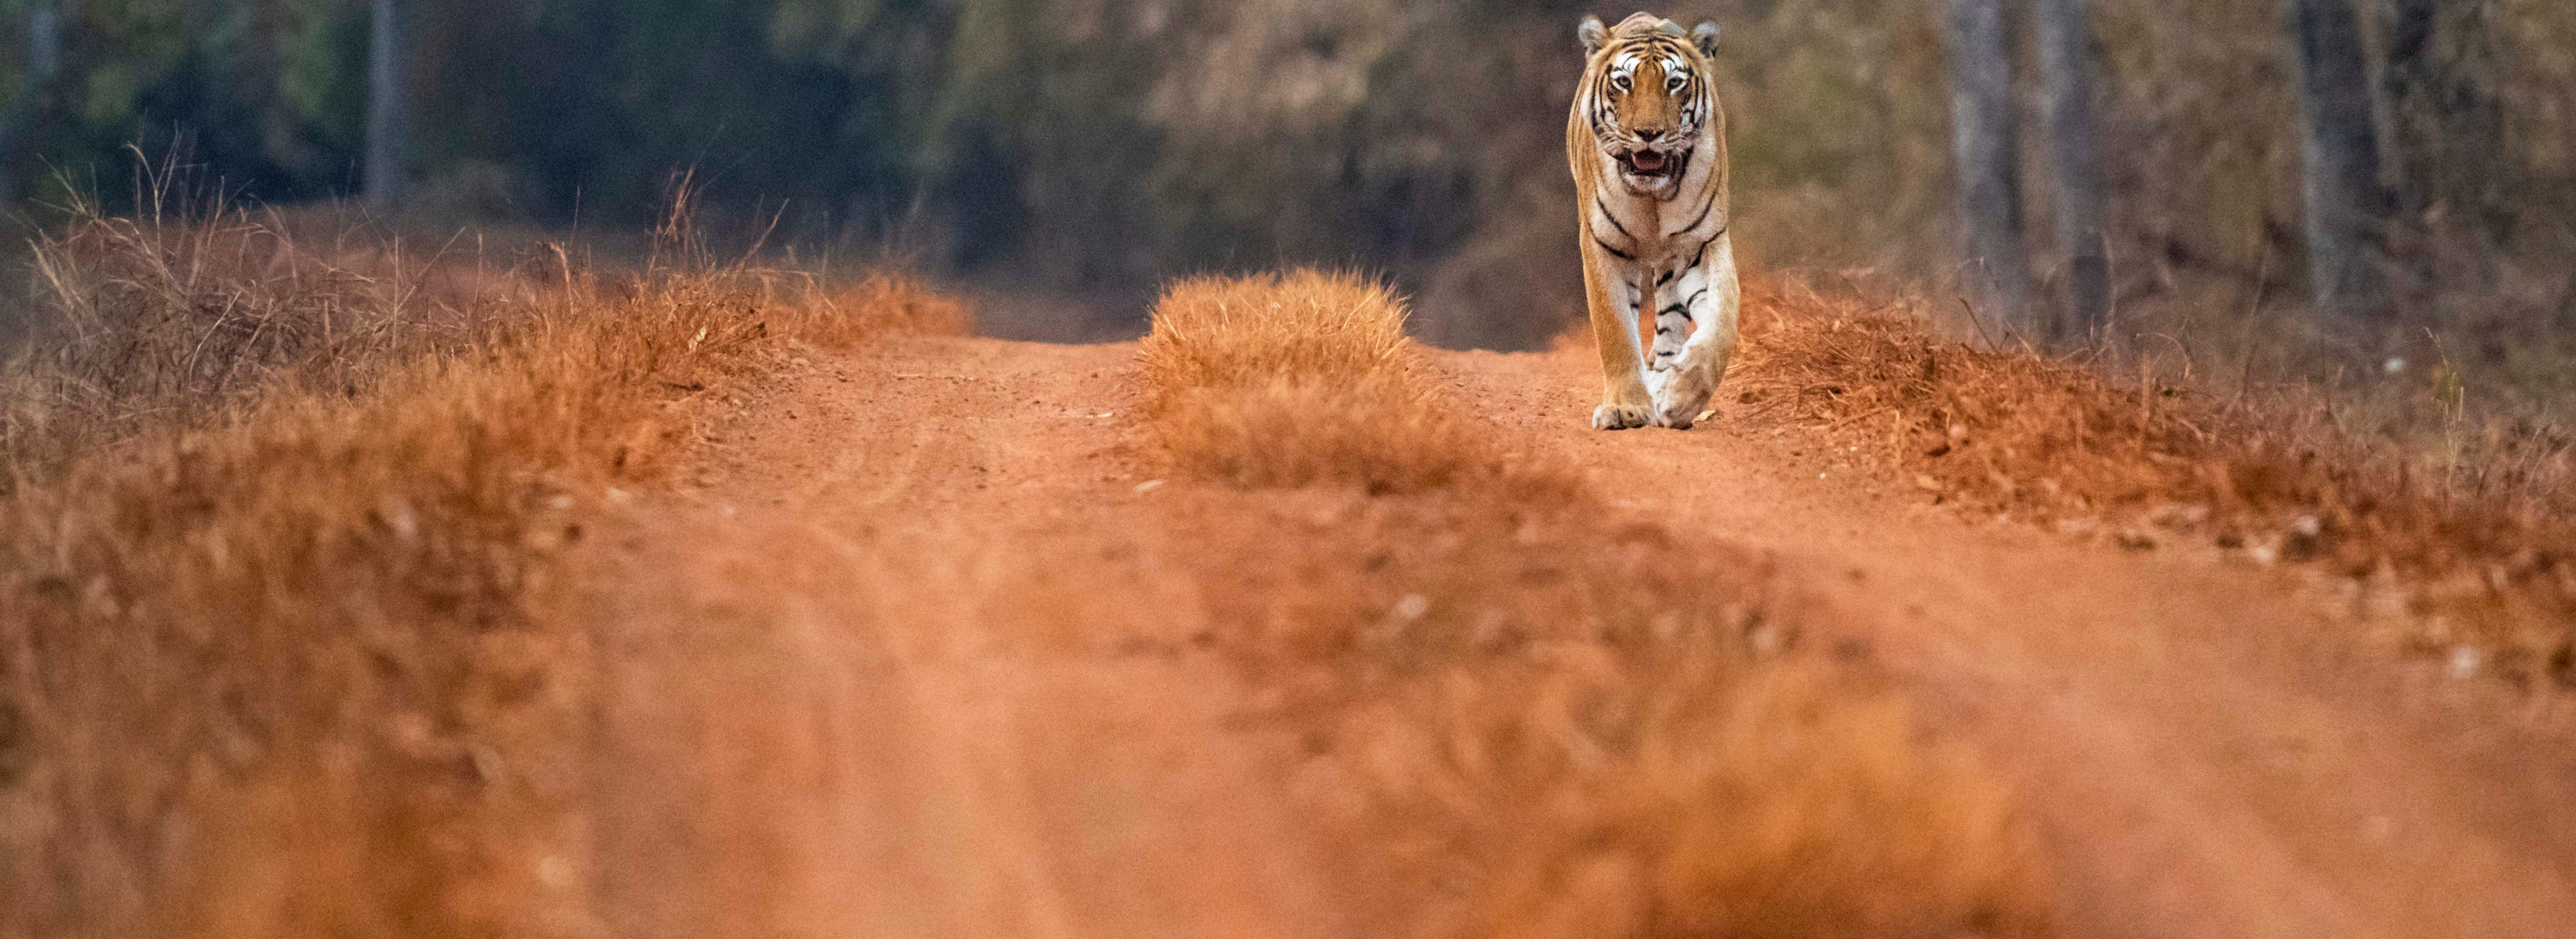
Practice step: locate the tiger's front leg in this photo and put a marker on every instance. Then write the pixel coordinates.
(1709, 299)
(1612, 292)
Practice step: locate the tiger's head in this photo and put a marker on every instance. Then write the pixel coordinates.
(1647, 86)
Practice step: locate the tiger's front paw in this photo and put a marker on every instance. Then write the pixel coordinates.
(1615, 416)
(1686, 398)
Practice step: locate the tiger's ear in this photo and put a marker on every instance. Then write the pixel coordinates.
(1705, 37)
(1593, 34)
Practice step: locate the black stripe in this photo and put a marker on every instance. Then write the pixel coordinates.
(1678, 308)
(1599, 112)
(1703, 211)
(1605, 246)
(1694, 298)
(1703, 247)
(1614, 221)
(1663, 278)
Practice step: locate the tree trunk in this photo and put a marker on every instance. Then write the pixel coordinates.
(384, 169)
(2347, 205)
(2067, 78)
(44, 42)
(22, 124)
(1981, 122)
(2446, 128)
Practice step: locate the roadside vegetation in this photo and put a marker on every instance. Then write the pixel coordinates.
(276, 526)
(2453, 529)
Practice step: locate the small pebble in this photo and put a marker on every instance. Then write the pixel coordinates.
(2465, 661)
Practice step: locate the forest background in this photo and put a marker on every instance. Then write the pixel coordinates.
(2371, 192)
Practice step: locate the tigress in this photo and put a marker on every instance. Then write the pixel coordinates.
(1647, 142)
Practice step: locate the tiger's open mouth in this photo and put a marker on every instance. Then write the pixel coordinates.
(1652, 165)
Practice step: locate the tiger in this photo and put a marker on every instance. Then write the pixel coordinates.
(1647, 142)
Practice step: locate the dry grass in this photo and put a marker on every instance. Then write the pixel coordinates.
(1671, 789)
(1226, 332)
(2471, 541)
(143, 322)
(271, 549)
(1541, 723)
(1292, 379)
(1527, 717)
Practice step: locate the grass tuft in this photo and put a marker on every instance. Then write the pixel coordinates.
(1674, 789)
(1226, 332)
(1299, 378)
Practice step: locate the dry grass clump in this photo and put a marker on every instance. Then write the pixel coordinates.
(2006, 429)
(878, 304)
(1536, 720)
(1291, 379)
(1672, 788)
(272, 559)
(2475, 542)
(144, 320)
(1224, 332)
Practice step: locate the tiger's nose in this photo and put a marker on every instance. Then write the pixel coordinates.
(1648, 136)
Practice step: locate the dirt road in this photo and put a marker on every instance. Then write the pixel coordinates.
(921, 653)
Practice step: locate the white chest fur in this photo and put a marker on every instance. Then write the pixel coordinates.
(1657, 232)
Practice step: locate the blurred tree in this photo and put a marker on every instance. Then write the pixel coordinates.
(605, 99)
(2067, 83)
(2347, 207)
(31, 110)
(44, 41)
(385, 172)
(1982, 130)
(2446, 136)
